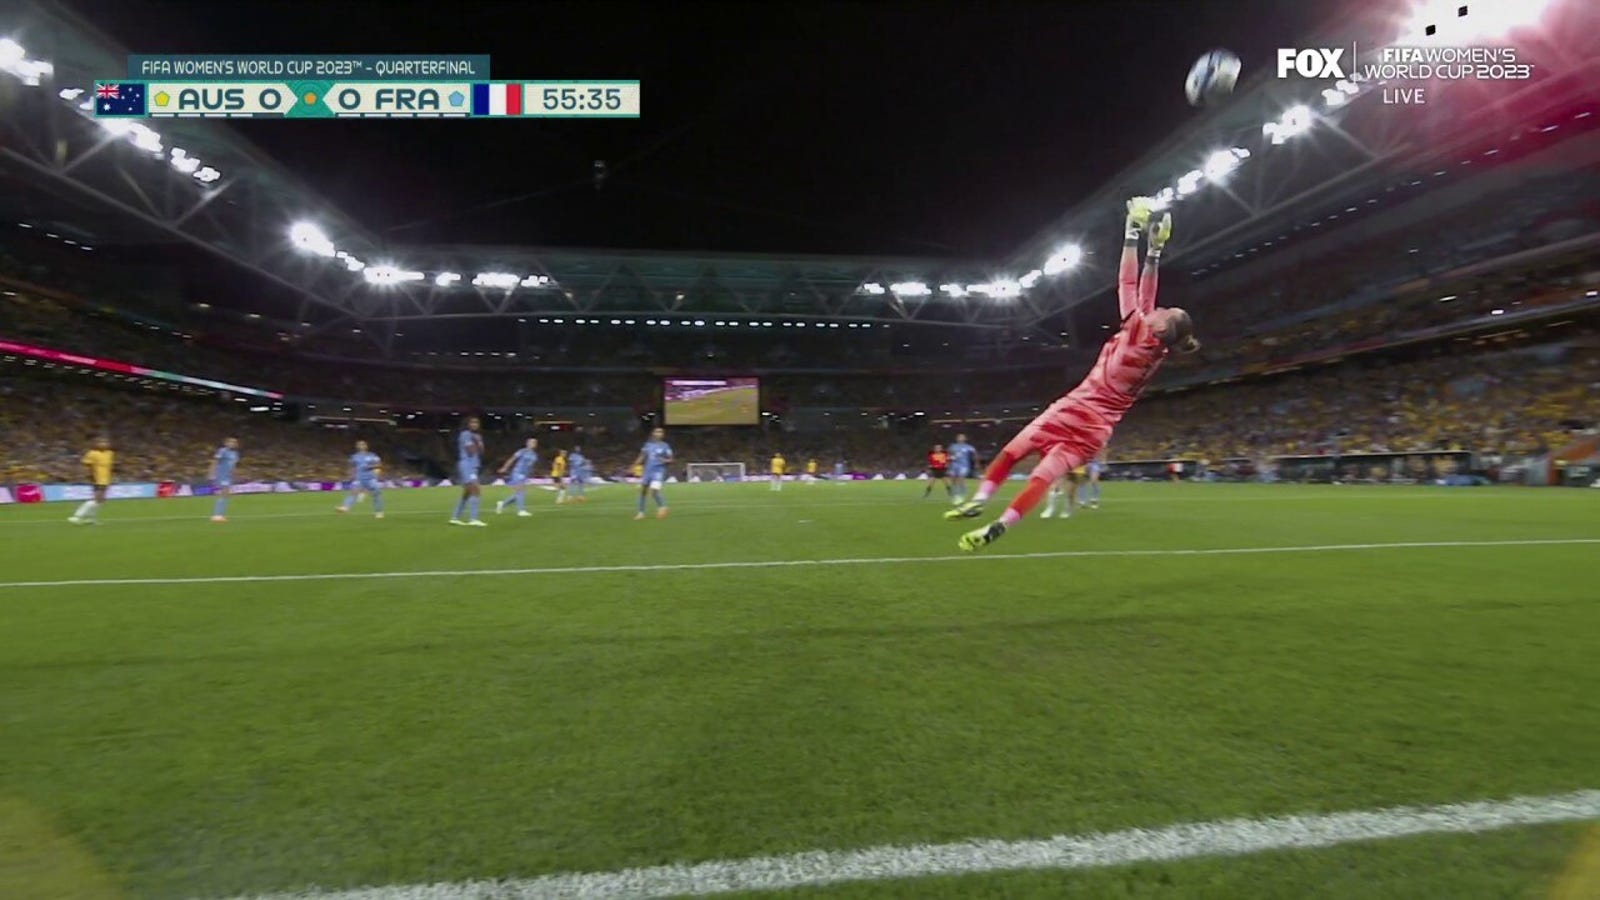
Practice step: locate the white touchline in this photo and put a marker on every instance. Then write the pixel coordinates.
(1228, 837)
(784, 563)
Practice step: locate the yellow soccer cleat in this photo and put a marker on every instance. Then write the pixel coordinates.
(981, 537)
(968, 510)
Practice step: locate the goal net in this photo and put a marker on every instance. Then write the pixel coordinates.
(715, 471)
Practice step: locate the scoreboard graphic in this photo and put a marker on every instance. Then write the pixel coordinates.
(381, 87)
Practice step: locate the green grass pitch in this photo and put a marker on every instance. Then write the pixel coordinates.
(210, 739)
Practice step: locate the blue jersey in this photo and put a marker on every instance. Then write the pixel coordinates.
(577, 466)
(656, 456)
(522, 463)
(469, 447)
(364, 466)
(963, 457)
(226, 459)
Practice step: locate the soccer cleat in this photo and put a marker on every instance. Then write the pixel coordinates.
(499, 507)
(219, 519)
(1139, 210)
(968, 510)
(661, 513)
(638, 516)
(457, 522)
(74, 520)
(478, 523)
(341, 509)
(524, 514)
(1160, 232)
(377, 515)
(1047, 514)
(980, 537)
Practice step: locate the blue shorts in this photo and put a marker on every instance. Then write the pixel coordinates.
(368, 484)
(655, 476)
(960, 471)
(468, 473)
(516, 480)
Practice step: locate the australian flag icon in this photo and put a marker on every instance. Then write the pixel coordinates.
(120, 99)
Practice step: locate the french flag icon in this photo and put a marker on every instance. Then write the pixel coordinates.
(496, 99)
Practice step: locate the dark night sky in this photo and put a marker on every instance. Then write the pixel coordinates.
(927, 129)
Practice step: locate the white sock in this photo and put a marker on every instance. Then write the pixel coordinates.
(84, 510)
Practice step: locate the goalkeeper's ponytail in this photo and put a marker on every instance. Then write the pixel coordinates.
(1188, 345)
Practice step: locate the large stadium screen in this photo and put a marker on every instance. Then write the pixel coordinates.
(713, 401)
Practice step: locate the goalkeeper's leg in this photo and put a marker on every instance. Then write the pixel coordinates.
(1056, 463)
(1021, 447)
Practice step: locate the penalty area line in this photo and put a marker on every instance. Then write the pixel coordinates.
(785, 563)
(1226, 837)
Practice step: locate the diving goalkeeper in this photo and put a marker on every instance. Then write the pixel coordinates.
(1074, 428)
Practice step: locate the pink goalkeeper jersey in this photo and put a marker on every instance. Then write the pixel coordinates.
(1127, 363)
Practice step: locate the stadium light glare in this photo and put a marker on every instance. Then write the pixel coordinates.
(873, 288)
(502, 280)
(11, 53)
(389, 275)
(308, 237)
(207, 175)
(1220, 164)
(1062, 260)
(353, 264)
(909, 289)
(446, 279)
(1031, 279)
(183, 162)
(533, 281)
(1190, 182)
(70, 94)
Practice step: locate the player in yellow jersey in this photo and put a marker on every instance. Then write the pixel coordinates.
(779, 466)
(558, 474)
(98, 461)
(811, 471)
(1065, 493)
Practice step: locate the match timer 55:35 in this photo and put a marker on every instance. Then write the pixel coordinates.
(580, 98)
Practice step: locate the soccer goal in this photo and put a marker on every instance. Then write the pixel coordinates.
(715, 471)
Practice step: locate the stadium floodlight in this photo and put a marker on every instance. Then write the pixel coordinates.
(502, 280)
(1295, 121)
(909, 289)
(534, 281)
(1031, 279)
(953, 290)
(183, 162)
(1333, 99)
(11, 53)
(118, 127)
(873, 288)
(353, 264)
(386, 274)
(1190, 182)
(70, 94)
(206, 175)
(308, 237)
(32, 71)
(446, 279)
(1220, 164)
(86, 105)
(1067, 257)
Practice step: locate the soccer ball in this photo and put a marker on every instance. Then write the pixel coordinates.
(1212, 77)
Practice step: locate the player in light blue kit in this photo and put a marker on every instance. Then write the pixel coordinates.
(365, 467)
(654, 457)
(469, 456)
(1091, 491)
(223, 463)
(577, 476)
(963, 462)
(520, 465)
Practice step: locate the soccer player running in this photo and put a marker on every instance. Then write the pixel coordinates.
(1076, 427)
(1064, 494)
(223, 462)
(577, 476)
(652, 466)
(365, 467)
(97, 460)
(938, 470)
(779, 466)
(521, 465)
(963, 462)
(469, 456)
(558, 474)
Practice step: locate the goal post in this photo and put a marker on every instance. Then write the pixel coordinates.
(715, 471)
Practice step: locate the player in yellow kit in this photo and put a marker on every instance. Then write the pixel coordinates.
(811, 471)
(779, 466)
(558, 474)
(98, 461)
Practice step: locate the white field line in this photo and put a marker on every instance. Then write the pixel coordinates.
(1227, 837)
(785, 563)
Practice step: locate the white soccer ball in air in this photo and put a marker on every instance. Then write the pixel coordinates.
(1212, 77)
